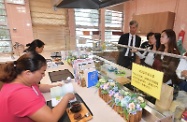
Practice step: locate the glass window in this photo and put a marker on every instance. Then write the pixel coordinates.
(5, 46)
(113, 25)
(4, 34)
(2, 5)
(3, 20)
(5, 41)
(87, 24)
(86, 17)
(2, 12)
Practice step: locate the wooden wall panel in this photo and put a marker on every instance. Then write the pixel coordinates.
(155, 22)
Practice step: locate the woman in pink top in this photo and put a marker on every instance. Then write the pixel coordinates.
(20, 97)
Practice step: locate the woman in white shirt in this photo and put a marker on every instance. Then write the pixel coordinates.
(147, 58)
(181, 72)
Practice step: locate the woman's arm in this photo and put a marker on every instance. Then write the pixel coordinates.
(141, 56)
(184, 74)
(182, 69)
(46, 87)
(46, 114)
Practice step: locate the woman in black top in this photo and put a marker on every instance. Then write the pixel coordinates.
(35, 46)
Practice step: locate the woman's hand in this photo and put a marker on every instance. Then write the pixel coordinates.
(52, 115)
(58, 84)
(69, 96)
(184, 74)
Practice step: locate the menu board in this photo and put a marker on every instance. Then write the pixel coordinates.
(148, 80)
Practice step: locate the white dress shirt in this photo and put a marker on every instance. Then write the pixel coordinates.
(129, 42)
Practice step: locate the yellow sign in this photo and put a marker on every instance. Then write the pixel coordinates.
(147, 80)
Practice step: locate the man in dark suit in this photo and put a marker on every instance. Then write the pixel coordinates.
(126, 57)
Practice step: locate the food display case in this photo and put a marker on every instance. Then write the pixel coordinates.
(106, 63)
(150, 113)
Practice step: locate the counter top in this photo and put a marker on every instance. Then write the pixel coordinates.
(101, 111)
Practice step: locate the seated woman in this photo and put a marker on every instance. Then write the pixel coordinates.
(20, 97)
(35, 46)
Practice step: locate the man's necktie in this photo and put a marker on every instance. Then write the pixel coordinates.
(131, 44)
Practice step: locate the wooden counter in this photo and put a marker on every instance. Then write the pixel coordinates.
(101, 111)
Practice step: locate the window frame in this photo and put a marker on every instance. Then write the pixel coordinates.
(110, 29)
(5, 37)
(89, 29)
